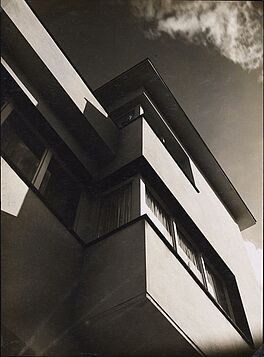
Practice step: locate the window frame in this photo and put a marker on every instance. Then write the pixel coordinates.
(48, 154)
(36, 180)
(145, 209)
(180, 231)
(206, 262)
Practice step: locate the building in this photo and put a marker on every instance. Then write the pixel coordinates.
(121, 233)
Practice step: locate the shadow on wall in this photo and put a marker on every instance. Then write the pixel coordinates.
(11, 345)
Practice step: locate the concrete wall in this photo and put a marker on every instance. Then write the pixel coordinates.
(172, 287)
(41, 264)
(87, 217)
(113, 272)
(129, 148)
(211, 217)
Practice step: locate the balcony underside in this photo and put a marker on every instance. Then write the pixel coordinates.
(134, 328)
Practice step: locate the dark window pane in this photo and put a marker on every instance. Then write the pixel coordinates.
(115, 209)
(20, 145)
(189, 250)
(216, 288)
(61, 192)
(189, 254)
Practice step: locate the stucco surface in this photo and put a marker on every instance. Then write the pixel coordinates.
(169, 283)
(113, 271)
(41, 264)
(212, 219)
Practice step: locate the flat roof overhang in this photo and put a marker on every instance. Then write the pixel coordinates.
(144, 75)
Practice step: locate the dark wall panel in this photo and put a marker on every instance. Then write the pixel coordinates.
(41, 263)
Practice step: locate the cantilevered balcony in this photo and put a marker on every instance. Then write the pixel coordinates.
(138, 298)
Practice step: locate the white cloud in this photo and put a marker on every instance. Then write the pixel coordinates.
(256, 258)
(234, 28)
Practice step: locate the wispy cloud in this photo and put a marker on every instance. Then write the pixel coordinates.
(234, 28)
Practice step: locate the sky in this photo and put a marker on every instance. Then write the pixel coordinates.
(208, 53)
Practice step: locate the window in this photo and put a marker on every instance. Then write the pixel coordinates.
(162, 216)
(159, 212)
(216, 287)
(115, 209)
(189, 254)
(20, 145)
(24, 148)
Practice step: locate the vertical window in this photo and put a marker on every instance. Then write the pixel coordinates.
(161, 214)
(115, 209)
(189, 254)
(216, 287)
(20, 145)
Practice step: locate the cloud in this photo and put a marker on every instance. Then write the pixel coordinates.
(234, 28)
(256, 259)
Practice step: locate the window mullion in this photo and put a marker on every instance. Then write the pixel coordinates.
(204, 274)
(228, 302)
(175, 236)
(6, 111)
(42, 168)
(143, 197)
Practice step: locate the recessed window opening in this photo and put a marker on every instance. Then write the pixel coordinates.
(24, 148)
(189, 254)
(115, 209)
(154, 208)
(20, 145)
(216, 288)
(159, 212)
